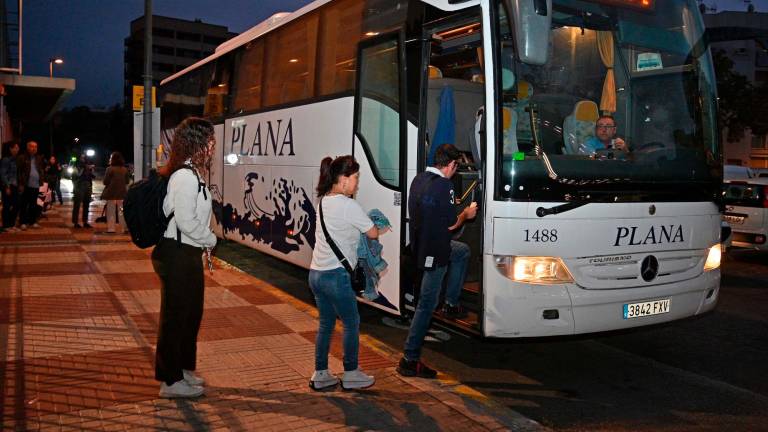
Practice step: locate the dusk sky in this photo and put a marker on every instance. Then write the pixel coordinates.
(89, 34)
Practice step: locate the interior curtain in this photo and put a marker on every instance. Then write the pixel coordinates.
(605, 46)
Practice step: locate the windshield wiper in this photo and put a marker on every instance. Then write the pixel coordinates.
(562, 208)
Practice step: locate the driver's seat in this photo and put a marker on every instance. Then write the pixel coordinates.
(579, 126)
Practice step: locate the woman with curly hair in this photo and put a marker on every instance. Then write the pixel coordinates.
(177, 259)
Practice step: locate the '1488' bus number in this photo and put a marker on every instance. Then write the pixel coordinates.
(541, 236)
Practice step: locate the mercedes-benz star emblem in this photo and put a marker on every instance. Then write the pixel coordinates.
(649, 268)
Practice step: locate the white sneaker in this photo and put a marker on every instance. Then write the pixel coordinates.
(356, 379)
(23, 227)
(322, 379)
(36, 225)
(192, 379)
(180, 389)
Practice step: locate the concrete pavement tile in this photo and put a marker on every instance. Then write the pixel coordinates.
(132, 281)
(43, 339)
(120, 266)
(85, 267)
(226, 277)
(113, 247)
(51, 285)
(126, 255)
(46, 308)
(254, 294)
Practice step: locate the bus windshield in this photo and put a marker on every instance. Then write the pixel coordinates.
(623, 109)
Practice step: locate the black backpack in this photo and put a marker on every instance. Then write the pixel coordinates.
(143, 210)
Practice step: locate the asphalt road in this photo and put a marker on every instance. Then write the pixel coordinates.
(704, 373)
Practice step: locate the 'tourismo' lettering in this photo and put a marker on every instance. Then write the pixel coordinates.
(630, 236)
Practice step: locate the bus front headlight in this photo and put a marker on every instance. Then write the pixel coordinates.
(537, 270)
(713, 258)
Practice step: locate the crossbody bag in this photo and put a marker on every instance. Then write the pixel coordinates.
(356, 275)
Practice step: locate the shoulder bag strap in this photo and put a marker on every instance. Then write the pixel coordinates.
(331, 243)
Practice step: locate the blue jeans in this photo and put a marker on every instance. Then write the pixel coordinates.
(334, 296)
(431, 283)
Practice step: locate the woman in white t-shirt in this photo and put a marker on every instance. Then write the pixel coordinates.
(330, 282)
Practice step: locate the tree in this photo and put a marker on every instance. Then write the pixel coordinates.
(735, 94)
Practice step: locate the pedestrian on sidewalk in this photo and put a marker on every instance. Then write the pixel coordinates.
(177, 259)
(115, 187)
(53, 177)
(83, 189)
(9, 183)
(433, 221)
(343, 219)
(30, 170)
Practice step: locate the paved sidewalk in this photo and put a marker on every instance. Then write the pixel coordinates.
(78, 325)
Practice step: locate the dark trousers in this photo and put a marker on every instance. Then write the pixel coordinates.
(10, 206)
(28, 208)
(82, 197)
(55, 187)
(181, 308)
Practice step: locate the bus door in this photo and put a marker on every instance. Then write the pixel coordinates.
(378, 142)
(453, 105)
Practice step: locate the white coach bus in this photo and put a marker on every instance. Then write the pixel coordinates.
(566, 241)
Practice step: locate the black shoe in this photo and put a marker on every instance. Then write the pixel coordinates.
(454, 312)
(415, 369)
(76, 226)
(87, 226)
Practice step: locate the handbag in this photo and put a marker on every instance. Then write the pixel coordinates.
(356, 275)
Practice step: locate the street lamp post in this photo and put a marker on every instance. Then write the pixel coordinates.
(56, 60)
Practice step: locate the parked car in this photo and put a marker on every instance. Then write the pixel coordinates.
(746, 211)
(738, 172)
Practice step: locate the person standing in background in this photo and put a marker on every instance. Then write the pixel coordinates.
(83, 185)
(53, 177)
(115, 188)
(9, 183)
(30, 170)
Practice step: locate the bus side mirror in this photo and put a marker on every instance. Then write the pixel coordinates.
(531, 21)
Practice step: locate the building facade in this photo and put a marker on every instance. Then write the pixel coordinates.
(176, 44)
(749, 53)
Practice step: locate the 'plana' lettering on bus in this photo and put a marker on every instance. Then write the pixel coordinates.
(629, 236)
(272, 139)
(276, 138)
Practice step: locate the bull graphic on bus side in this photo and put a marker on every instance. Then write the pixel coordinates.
(280, 215)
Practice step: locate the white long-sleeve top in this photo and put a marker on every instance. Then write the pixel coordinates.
(192, 210)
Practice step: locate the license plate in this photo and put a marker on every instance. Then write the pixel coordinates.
(733, 220)
(636, 310)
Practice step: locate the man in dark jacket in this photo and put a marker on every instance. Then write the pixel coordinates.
(9, 179)
(29, 167)
(433, 220)
(83, 189)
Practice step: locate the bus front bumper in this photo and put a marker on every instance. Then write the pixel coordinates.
(514, 309)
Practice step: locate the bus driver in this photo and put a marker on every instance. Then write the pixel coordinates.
(605, 137)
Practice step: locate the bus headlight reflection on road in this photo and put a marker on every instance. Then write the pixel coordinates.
(537, 270)
(713, 258)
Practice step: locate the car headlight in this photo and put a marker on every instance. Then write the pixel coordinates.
(536, 270)
(713, 258)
